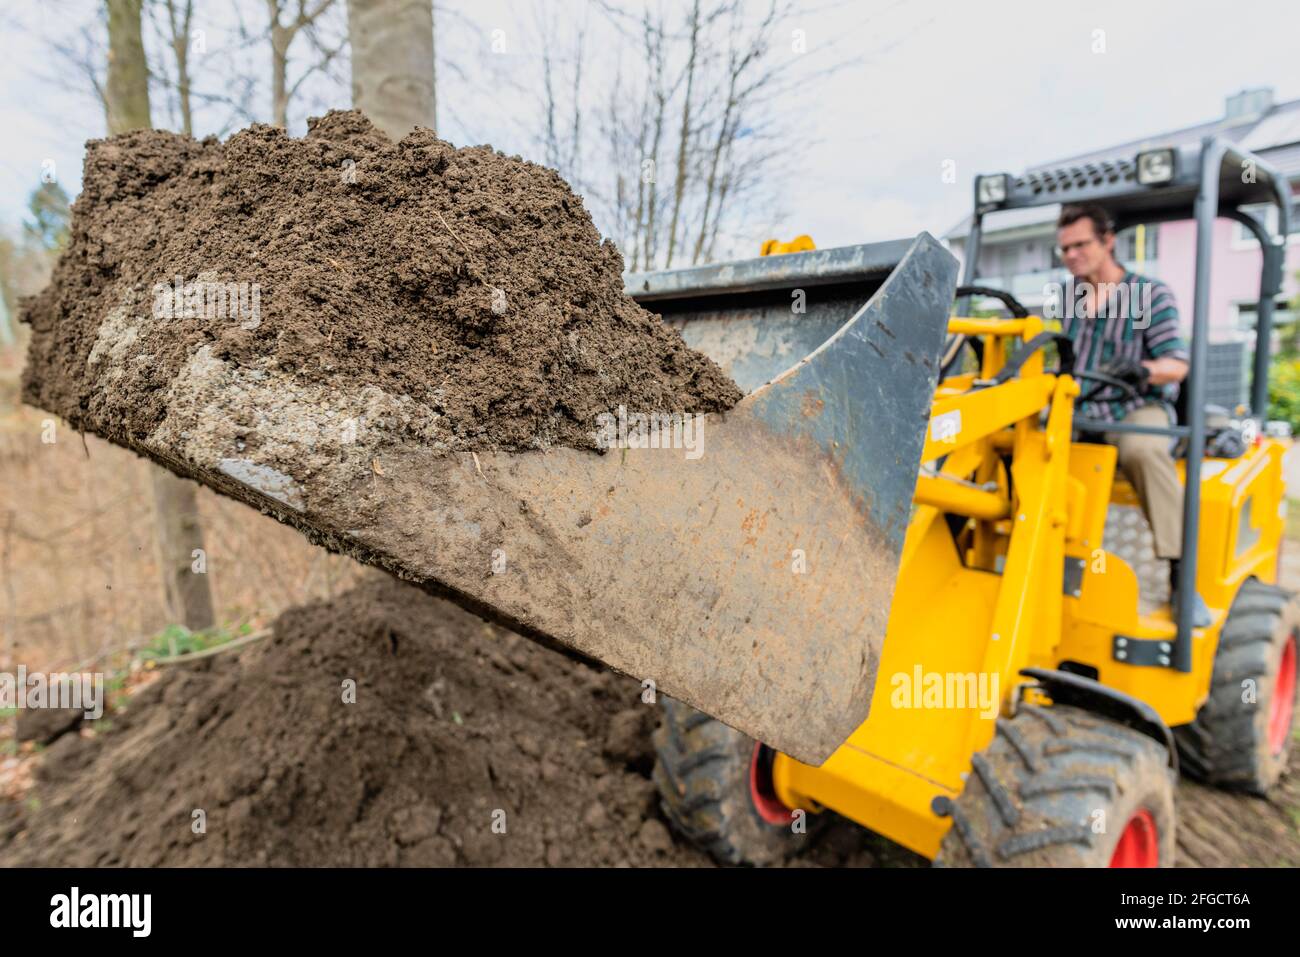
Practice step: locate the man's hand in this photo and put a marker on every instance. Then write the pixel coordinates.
(1166, 370)
(1134, 373)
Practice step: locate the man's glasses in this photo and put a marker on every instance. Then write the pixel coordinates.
(1064, 250)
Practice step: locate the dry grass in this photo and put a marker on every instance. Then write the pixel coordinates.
(78, 568)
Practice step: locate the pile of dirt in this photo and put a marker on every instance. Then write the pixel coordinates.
(465, 744)
(343, 283)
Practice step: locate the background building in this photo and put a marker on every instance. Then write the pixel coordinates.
(1019, 246)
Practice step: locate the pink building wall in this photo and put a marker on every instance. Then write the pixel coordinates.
(1234, 276)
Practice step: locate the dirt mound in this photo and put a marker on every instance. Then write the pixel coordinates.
(458, 297)
(458, 729)
(465, 745)
(457, 725)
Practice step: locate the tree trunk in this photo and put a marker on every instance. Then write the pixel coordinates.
(178, 21)
(683, 145)
(281, 37)
(183, 85)
(711, 184)
(180, 536)
(650, 248)
(127, 89)
(179, 533)
(393, 63)
(7, 337)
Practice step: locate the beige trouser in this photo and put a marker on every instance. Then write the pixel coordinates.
(1146, 461)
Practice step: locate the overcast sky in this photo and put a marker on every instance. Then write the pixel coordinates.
(990, 86)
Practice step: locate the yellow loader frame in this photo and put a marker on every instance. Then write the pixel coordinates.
(1006, 596)
(961, 626)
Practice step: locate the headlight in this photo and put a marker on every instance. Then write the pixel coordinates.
(1155, 167)
(991, 189)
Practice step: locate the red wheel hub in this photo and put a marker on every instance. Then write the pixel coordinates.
(761, 791)
(1282, 707)
(1139, 845)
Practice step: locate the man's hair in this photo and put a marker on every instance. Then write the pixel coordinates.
(1101, 221)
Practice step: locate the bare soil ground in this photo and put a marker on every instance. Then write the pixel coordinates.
(387, 727)
(1218, 829)
(461, 744)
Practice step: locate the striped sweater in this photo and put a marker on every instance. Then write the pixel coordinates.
(1136, 319)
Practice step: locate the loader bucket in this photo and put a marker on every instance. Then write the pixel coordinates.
(754, 581)
(838, 351)
(749, 575)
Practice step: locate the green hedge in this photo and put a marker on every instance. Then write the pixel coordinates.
(1284, 390)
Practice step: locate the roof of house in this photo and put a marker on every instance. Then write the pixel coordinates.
(1273, 135)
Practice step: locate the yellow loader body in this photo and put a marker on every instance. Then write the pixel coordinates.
(1037, 588)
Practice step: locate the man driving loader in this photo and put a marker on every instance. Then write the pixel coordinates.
(1126, 326)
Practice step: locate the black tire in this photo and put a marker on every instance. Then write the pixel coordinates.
(703, 771)
(1060, 787)
(1228, 744)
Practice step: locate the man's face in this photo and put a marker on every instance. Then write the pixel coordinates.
(1082, 251)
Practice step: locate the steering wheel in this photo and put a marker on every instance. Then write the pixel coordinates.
(1103, 382)
(953, 344)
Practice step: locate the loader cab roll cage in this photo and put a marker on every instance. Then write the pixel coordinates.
(1202, 181)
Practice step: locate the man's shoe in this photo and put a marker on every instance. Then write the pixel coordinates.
(1201, 617)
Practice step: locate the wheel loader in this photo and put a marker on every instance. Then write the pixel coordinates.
(1035, 698)
(880, 584)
